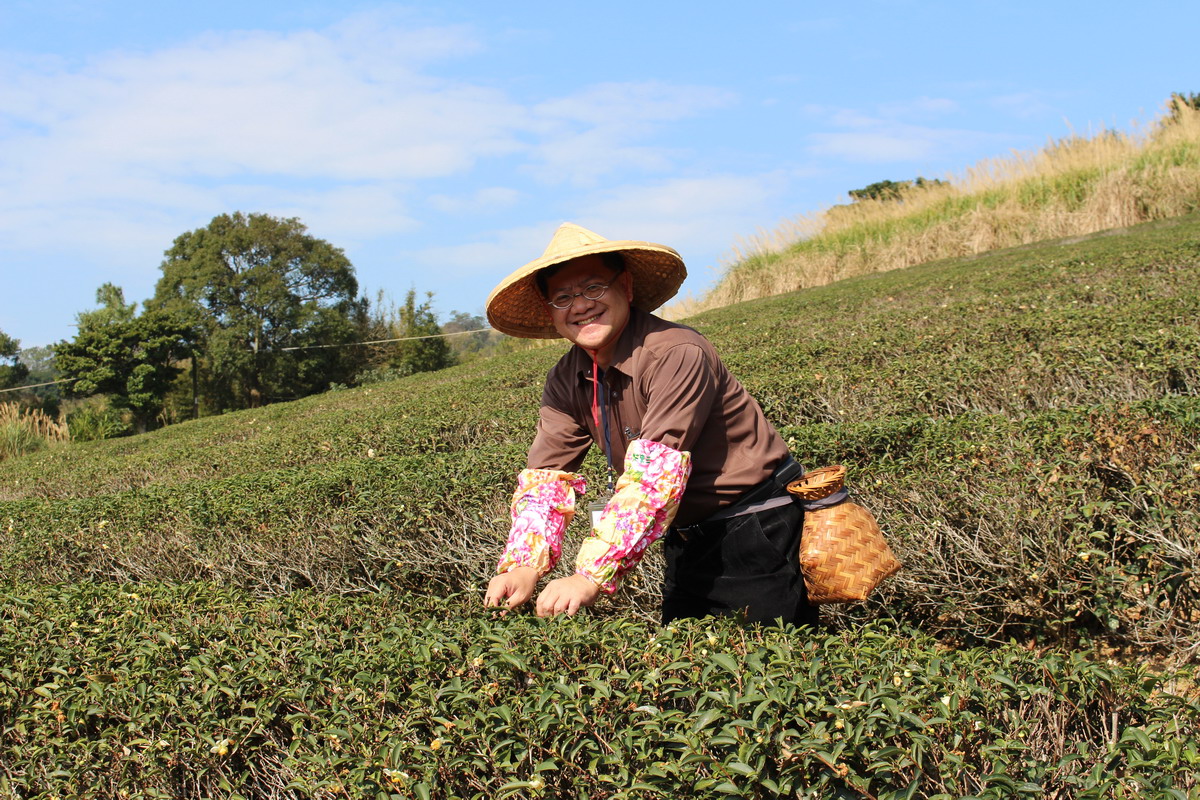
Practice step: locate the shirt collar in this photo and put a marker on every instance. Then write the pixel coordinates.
(623, 353)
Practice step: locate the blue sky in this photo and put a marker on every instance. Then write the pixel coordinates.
(440, 144)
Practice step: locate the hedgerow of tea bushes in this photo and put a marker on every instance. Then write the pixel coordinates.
(1074, 523)
(1022, 331)
(428, 413)
(1024, 424)
(1080, 522)
(146, 691)
(1014, 333)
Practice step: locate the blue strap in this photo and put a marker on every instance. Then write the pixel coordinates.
(602, 389)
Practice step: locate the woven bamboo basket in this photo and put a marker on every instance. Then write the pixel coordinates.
(843, 555)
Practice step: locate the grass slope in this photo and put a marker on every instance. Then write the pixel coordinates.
(263, 604)
(1024, 424)
(1074, 186)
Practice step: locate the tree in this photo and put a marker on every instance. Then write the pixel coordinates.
(468, 345)
(1181, 103)
(891, 190)
(253, 285)
(13, 373)
(419, 354)
(131, 358)
(113, 309)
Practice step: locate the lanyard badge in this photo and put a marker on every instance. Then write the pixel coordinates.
(596, 509)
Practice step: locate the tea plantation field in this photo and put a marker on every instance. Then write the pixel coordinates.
(284, 602)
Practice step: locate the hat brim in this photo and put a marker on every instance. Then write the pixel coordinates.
(517, 308)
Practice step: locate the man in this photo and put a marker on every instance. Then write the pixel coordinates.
(698, 463)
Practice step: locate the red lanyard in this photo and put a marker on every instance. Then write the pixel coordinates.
(600, 417)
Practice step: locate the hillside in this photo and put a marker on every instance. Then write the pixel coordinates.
(284, 602)
(1003, 415)
(1071, 187)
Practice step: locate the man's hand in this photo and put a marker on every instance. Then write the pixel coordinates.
(566, 596)
(515, 586)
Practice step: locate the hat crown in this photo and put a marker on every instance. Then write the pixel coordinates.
(571, 237)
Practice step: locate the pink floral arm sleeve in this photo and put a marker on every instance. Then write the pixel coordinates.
(639, 513)
(542, 506)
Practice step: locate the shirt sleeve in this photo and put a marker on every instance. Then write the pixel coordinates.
(639, 513)
(542, 507)
(680, 390)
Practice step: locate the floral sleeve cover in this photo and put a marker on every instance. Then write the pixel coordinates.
(644, 504)
(542, 506)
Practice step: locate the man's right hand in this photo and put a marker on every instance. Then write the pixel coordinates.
(512, 589)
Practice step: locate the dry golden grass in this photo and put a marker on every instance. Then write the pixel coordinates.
(1075, 186)
(25, 430)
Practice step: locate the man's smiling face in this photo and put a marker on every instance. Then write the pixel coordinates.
(594, 325)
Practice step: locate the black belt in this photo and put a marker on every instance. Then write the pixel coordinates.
(771, 493)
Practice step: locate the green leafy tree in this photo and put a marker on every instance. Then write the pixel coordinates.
(267, 302)
(13, 372)
(113, 309)
(42, 374)
(419, 354)
(130, 358)
(891, 190)
(469, 345)
(1180, 104)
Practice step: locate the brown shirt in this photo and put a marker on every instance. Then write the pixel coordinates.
(666, 384)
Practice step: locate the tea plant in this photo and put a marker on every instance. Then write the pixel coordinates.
(196, 690)
(1024, 425)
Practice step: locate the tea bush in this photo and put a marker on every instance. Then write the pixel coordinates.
(152, 691)
(1024, 424)
(1080, 522)
(264, 604)
(1017, 332)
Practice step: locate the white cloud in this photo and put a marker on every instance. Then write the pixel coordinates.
(701, 217)
(300, 104)
(1022, 104)
(490, 256)
(919, 107)
(481, 201)
(339, 213)
(590, 134)
(876, 147)
(185, 130)
(624, 104)
(353, 128)
(879, 139)
(706, 213)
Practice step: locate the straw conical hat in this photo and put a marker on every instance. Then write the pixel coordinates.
(517, 308)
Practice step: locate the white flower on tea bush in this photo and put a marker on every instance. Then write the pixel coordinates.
(396, 776)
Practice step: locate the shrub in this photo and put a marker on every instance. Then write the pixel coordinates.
(96, 419)
(1025, 426)
(193, 690)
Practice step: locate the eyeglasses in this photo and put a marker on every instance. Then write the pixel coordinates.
(563, 300)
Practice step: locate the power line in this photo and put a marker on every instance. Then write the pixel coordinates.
(35, 385)
(386, 341)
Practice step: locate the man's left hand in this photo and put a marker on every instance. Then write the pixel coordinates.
(567, 596)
